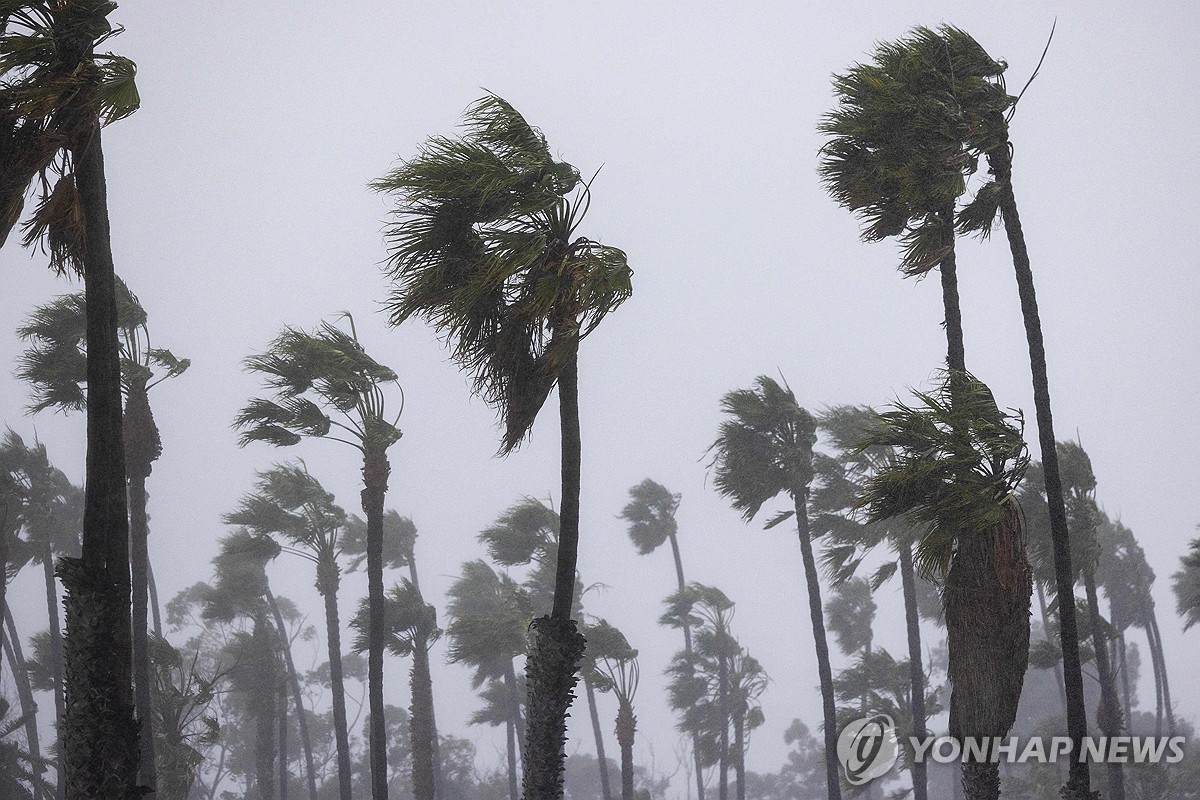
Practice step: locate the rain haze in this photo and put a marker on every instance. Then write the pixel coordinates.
(240, 204)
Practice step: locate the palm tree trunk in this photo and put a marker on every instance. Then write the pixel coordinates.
(955, 351)
(687, 647)
(800, 497)
(514, 709)
(1079, 781)
(100, 747)
(1162, 666)
(1121, 651)
(16, 661)
(327, 582)
(155, 608)
(282, 699)
(423, 771)
(739, 752)
(723, 739)
(1158, 692)
(916, 671)
(626, 731)
(265, 709)
(4, 539)
(141, 651)
(1058, 674)
(1109, 717)
(297, 697)
(423, 653)
(375, 479)
(605, 789)
(511, 737)
(56, 656)
(557, 646)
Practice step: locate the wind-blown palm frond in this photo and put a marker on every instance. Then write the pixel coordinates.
(410, 621)
(488, 619)
(958, 462)
(483, 247)
(525, 532)
(1186, 585)
(290, 503)
(650, 513)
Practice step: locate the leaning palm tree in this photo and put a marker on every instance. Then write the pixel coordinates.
(57, 92)
(617, 661)
(485, 247)
(411, 624)
(327, 386)
(764, 449)
(958, 462)
(650, 513)
(55, 366)
(290, 504)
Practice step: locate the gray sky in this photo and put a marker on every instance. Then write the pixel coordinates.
(239, 204)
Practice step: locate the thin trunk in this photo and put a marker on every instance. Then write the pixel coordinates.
(626, 732)
(297, 699)
(141, 651)
(1158, 692)
(1108, 719)
(511, 737)
(433, 733)
(602, 761)
(423, 770)
(16, 660)
(1079, 782)
(552, 667)
(955, 352)
(723, 738)
(916, 670)
(1162, 665)
(264, 710)
(4, 540)
(739, 752)
(56, 657)
(327, 585)
(687, 647)
(375, 479)
(514, 709)
(155, 608)
(283, 729)
(816, 615)
(1058, 673)
(1121, 651)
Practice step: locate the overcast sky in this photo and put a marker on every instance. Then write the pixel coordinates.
(239, 204)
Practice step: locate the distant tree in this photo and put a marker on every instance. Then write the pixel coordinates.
(327, 386)
(182, 695)
(58, 93)
(484, 246)
(958, 462)
(290, 504)
(1186, 584)
(765, 448)
(615, 665)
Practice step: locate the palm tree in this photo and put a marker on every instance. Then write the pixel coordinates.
(411, 625)
(1186, 585)
(650, 513)
(327, 386)
(489, 613)
(484, 247)
(763, 449)
(848, 539)
(50, 516)
(58, 92)
(291, 504)
(55, 366)
(958, 463)
(617, 661)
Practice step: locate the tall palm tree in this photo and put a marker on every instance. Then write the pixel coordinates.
(650, 513)
(327, 386)
(55, 366)
(489, 612)
(57, 93)
(958, 463)
(484, 246)
(290, 504)
(848, 538)
(985, 108)
(764, 449)
(411, 625)
(617, 661)
(51, 517)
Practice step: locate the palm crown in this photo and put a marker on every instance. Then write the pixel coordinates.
(484, 247)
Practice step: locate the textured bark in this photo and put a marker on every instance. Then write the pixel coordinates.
(816, 615)
(602, 762)
(56, 656)
(297, 698)
(421, 727)
(626, 732)
(141, 652)
(568, 517)
(1079, 781)
(948, 267)
(16, 660)
(423, 653)
(987, 598)
(327, 585)
(375, 479)
(263, 707)
(916, 671)
(551, 673)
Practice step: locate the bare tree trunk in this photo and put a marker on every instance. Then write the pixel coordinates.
(327, 584)
(375, 479)
(56, 657)
(605, 789)
(916, 671)
(1162, 665)
(511, 737)
(1109, 718)
(687, 647)
(297, 698)
(626, 732)
(141, 653)
(16, 660)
